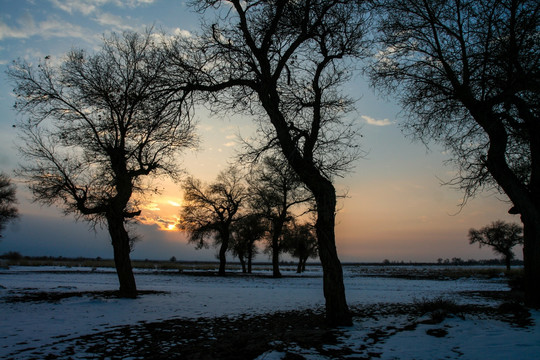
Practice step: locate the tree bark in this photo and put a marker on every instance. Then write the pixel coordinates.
(122, 261)
(337, 311)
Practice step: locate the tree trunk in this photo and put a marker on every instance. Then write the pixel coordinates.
(275, 255)
(337, 311)
(299, 267)
(223, 252)
(243, 263)
(507, 259)
(122, 261)
(531, 260)
(249, 259)
(526, 198)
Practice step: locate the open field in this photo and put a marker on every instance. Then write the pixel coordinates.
(401, 312)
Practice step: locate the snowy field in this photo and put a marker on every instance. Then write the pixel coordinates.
(30, 325)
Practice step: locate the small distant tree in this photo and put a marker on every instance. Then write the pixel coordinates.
(274, 189)
(95, 126)
(246, 231)
(211, 209)
(301, 242)
(8, 211)
(501, 236)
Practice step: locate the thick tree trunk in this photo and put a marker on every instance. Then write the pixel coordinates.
(122, 261)
(531, 260)
(337, 311)
(525, 197)
(299, 267)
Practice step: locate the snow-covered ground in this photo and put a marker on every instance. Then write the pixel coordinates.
(33, 324)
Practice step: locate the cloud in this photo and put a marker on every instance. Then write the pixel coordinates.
(182, 33)
(117, 22)
(371, 121)
(53, 27)
(87, 7)
(77, 6)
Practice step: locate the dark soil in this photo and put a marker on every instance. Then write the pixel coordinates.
(56, 296)
(206, 338)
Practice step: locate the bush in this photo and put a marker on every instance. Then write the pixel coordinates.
(12, 255)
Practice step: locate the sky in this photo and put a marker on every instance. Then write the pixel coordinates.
(395, 209)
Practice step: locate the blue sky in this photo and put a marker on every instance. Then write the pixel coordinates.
(396, 208)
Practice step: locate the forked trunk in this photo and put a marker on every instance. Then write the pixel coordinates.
(122, 261)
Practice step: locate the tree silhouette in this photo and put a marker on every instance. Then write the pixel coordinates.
(467, 72)
(8, 211)
(501, 236)
(274, 188)
(95, 126)
(245, 232)
(283, 62)
(210, 210)
(300, 241)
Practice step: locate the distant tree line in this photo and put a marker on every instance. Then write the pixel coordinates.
(237, 210)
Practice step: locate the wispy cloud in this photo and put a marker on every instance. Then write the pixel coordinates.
(112, 21)
(52, 27)
(372, 121)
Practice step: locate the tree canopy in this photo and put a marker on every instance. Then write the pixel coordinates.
(8, 211)
(95, 125)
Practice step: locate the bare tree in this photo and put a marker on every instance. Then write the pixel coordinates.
(501, 236)
(300, 241)
(95, 126)
(210, 210)
(275, 189)
(283, 62)
(245, 232)
(467, 72)
(8, 211)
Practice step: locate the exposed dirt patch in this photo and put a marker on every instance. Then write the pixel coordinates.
(215, 338)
